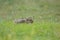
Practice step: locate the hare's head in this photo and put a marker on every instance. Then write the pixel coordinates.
(29, 20)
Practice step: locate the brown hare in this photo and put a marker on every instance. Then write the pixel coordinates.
(24, 20)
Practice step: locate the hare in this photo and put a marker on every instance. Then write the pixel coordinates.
(24, 20)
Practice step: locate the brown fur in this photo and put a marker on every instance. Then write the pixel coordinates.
(24, 20)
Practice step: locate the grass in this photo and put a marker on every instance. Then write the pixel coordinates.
(35, 31)
(46, 24)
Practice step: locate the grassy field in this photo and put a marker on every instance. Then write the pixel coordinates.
(46, 15)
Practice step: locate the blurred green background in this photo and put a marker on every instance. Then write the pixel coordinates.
(46, 15)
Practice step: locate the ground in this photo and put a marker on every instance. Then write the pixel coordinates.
(46, 25)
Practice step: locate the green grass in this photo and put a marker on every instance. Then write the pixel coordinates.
(46, 15)
(35, 31)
